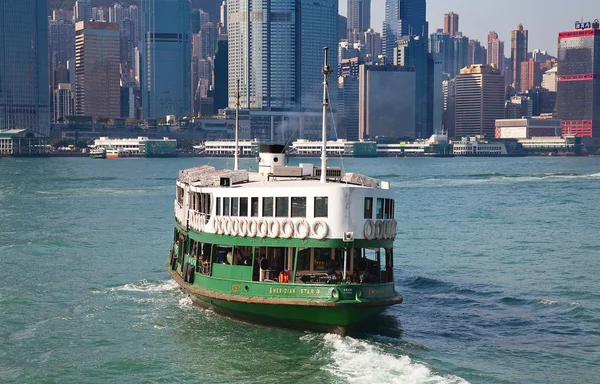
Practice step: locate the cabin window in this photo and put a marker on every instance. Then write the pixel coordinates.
(379, 211)
(243, 206)
(321, 204)
(180, 192)
(254, 207)
(389, 208)
(368, 207)
(322, 259)
(267, 207)
(298, 206)
(234, 206)
(303, 259)
(218, 202)
(386, 208)
(281, 206)
(226, 205)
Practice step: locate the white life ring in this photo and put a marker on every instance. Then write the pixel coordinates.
(243, 227)
(234, 226)
(378, 233)
(202, 223)
(302, 229)
(274, 228)
(385, 229)
(394, 229)
(320, 229)
(390, 229)
(369, 230)
(252, 227)
(226, 225)
(287, 229)
(262, 228)
(217, 225)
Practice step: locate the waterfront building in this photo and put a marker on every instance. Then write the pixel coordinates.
(402, 18)
(23, 142)
(386, 101)
(578, 97)
(141, 146)
(97, 67)
(451, 23)
(528, 127)
(518, 49)
(24, 83)
(359, 15)
(166, 58)
(495, 50)
(278, 60)
(479, 100)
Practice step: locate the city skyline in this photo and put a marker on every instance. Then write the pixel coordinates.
(539, 17)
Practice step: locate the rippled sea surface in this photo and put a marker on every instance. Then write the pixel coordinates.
(498, 261)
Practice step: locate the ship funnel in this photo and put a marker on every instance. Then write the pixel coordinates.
(268, 156)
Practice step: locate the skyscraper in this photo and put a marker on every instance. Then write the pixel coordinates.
(518, 49)
(166, 57)
(359, 15)
(278, 60)
(495, 50)
(451, 23)
(479, 100)
(402, 18)
(578, 93)
(82, 10)
(477, 53)
(97, 83)
(24, 92)
(372, 44)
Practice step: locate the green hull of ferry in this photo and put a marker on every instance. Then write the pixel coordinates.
(232, 291)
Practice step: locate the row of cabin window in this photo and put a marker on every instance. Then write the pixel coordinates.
(383, 210)
(271, 206)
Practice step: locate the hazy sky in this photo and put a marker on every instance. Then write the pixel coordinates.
(543, 18)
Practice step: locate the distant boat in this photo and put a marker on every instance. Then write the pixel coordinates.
(114, 153)
(98, 153)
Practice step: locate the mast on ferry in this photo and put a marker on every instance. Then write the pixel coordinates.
(236, 160)
(326, 72)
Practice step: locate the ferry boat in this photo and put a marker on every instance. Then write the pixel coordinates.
(302, 247)
(115, 153)
(98, 153)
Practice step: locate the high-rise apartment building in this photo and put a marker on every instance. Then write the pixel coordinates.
(359, 15)
(348, 97)
(578, 93)
(402, 18)
(412, 52)
(451, 23)
(24, 91)
(61, 43)
(279, 59)
(166, 57)
(372, 44)
(479, 100)
(83, 10)
(97, 69)
(531, 75)
(441, 47)
(495, 50)
(519, 41)
(477, 53)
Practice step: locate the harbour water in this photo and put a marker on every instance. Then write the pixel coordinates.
(498, 260)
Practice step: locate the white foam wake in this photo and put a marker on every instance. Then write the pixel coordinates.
(148, 286)
(356, 361)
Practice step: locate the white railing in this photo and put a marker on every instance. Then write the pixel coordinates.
(196, 220)
(179, 214)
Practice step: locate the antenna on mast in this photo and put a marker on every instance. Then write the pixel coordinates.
(326, 72)
(236, 160)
